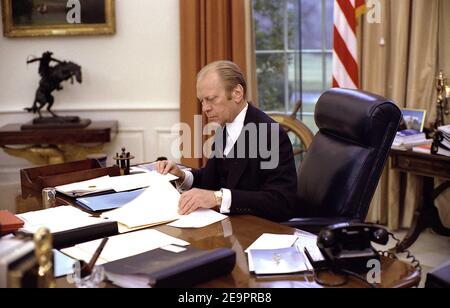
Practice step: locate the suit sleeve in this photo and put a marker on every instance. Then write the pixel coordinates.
(197, 173)
(276, 198)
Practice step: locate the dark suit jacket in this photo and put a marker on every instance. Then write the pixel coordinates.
(270, 194)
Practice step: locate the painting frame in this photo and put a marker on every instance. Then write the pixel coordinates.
(12, 30)
(414, 118)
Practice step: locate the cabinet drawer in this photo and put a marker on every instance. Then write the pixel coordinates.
(427, 167)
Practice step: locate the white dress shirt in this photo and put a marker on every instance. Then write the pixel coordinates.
(234, 129)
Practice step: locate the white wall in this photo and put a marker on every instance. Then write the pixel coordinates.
(132, 76)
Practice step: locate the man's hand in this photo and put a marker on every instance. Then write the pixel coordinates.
(195, 199)
(166, 166)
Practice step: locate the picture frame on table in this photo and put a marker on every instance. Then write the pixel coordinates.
(413, 119)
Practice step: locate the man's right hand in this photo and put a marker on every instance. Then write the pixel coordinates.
(166, 166)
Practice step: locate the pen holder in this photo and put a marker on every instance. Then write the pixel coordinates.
(93, 280)
(123, 161)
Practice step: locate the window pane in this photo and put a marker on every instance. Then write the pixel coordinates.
(269, 24)
(294, 80)
(311, 14)
(304, 75)
(270, 74)
(329, 23)
(312, 78)
(293, 24)
(329, 59)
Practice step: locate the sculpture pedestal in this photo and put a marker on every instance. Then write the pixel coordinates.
(56, 144)
(56, 123)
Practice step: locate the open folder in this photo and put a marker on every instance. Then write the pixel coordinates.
(109, 201)
(157, 204)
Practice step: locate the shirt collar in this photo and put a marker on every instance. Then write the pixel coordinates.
(234, 128)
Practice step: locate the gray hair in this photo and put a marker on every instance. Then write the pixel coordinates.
(229, 73)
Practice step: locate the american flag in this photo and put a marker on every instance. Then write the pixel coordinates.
(345, 48)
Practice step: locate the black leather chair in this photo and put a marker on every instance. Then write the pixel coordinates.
(341, 170)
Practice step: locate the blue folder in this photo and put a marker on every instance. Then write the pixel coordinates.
(109, 201)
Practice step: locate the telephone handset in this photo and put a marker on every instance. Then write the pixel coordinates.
(348, 245)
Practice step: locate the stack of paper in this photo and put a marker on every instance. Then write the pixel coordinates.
(123, 246)
(425, 149)
(58, 219)
(86, 187)
(158, 204)
(135, 181)
(406, 139)
(152, 167)
(117, 184)
(442, 147)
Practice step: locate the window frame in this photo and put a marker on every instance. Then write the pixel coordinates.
(286, 52)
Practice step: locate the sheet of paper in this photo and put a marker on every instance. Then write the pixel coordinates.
(173, 248)
(273, 241)
(156, 176)
(309, 241)
(124, 245)
(116, 183)
(137, 170)
(270, 241)
(124, 229)
(141, 180)
(278, 261)
(152, 167)
(198, 219)
(62, 264)
(79, 189)
(57, 219)
(156, 205)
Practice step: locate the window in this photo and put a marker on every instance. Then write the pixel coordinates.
(293, 53)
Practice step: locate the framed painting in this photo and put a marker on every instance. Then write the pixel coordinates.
(32, 18)
(413, 119)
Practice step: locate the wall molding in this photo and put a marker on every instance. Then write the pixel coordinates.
(10, 175)
(135, 130)
(102, 108)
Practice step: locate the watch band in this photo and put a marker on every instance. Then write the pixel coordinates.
(218, 195)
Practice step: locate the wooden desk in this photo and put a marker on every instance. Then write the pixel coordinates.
(238, 232)
(51, 146)
(427, 167)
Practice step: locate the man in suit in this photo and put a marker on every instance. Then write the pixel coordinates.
(240, 177)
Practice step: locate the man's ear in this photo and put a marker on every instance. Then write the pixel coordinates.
(238, 93)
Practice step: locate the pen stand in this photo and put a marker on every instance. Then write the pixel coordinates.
(93, 280)
(123, 161)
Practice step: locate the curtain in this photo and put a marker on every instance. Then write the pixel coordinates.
(400, 60)
(211, 31)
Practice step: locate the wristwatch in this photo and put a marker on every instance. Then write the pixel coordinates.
(218, 195)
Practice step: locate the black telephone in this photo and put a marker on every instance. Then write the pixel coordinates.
(348, 245)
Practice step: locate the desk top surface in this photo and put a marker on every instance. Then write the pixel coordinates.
(238, 232)
(411, 153)
(430, 165)
(101, 131)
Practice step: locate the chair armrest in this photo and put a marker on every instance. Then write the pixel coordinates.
(315, 224)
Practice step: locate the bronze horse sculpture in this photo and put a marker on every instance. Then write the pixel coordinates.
(52, 77)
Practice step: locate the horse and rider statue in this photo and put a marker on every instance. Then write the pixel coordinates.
(51, 79)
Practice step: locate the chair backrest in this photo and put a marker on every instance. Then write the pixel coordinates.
(343, 165)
